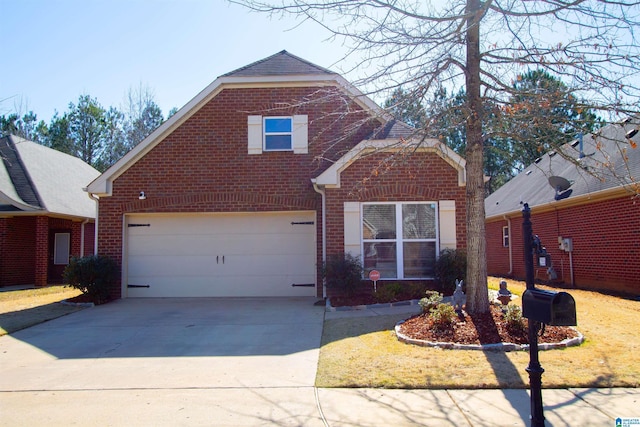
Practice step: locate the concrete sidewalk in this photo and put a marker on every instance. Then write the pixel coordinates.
(184, 362)
(307, 406)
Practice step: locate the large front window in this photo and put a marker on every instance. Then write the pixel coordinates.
(400, 239)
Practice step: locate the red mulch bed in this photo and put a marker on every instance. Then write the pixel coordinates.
(488, 328)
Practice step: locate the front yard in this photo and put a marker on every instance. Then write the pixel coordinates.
(364, 352)
(24, 308)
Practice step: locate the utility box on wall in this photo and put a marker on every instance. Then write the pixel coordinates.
(565, 244)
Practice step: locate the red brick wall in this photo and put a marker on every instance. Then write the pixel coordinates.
(18, 246)
(419, 177)
(203, 166)
(89, 238)
(606, 244)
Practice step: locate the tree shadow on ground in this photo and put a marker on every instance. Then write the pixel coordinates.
(506, 373)
(21, 319)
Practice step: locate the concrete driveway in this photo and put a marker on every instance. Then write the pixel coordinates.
(235, 362)
(166, 362)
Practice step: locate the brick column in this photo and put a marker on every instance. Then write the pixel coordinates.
(3, 246)
(42, 251)
(76, 232)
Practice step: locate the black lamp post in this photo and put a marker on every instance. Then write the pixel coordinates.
(534, 369)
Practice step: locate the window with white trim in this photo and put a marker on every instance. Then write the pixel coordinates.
(277, 135)
(400, 240)
(61, 248)
(505, 236)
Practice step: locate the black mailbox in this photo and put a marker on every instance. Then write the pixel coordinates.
(551, 308)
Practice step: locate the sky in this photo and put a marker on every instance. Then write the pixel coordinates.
(53, 51)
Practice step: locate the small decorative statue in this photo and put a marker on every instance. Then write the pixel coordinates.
(458, 296)
(504, 294)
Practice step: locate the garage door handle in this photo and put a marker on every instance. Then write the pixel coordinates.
(304, 285)
(138, 286)
(223, 259)
(217, 259)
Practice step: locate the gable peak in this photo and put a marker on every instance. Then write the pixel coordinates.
(280, 64)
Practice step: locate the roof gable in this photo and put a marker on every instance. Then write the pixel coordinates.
(603, 169)
(17, 183)
(331, 176)
(37, 178)
(269, 72)
(281, 64)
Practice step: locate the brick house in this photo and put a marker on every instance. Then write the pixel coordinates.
(45, 216)
(587, 217)
(266, 172)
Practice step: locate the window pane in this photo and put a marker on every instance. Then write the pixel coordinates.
(277, 125)
(382, 257)
(379, 222)
(419, 221)
(62, 244)
(277, 142)
(419, 259)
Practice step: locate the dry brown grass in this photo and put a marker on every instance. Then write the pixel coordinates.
(364, 352)
(21, 309)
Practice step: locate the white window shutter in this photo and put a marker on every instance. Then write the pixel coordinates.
(352, 233)
(447, 224)
(254, 134)
(300, 134)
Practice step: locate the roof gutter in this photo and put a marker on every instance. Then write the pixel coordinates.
(601, 195)
(321, 191)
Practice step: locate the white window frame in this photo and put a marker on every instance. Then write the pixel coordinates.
(505, 236)
(265, 133)
(61, 248)
(399, 240)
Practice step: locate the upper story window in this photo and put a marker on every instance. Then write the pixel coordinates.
(278, 134)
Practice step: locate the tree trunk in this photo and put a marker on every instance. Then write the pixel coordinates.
(477, 291)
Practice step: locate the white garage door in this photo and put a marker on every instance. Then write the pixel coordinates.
(220, 255)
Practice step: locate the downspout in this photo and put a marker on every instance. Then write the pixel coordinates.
(506, 218)
(95, 231)
(324, 232)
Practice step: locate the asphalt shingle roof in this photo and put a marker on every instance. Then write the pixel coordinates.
(44, 179)
(602, 167)
(281, 64)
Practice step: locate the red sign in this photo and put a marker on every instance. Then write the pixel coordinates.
(374, 275)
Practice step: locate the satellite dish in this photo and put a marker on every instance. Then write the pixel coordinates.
(561, 185)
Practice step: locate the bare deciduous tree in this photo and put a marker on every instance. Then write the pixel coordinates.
(482, 46)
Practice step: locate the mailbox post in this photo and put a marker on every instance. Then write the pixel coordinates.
(540, 307)
(534, 369)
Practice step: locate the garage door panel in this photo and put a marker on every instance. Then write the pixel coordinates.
(165, 245)
(171, 266)
(264, 265)
(257, 254)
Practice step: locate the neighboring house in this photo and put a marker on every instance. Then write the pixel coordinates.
(591, 228)
(269, 170)
(45, 216)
